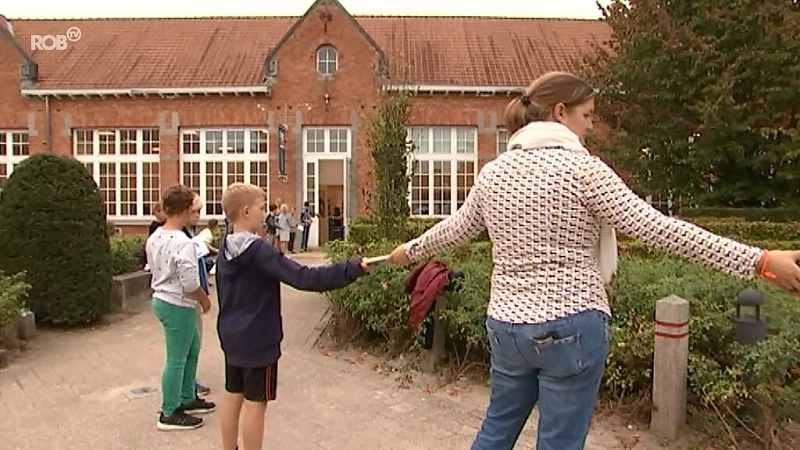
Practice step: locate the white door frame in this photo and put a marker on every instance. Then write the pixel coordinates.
(313, 159)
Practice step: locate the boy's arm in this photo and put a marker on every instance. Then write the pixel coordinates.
(319, 279)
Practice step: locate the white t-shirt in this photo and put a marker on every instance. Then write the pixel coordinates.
(173, 264)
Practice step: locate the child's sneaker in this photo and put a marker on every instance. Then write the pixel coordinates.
(178, 420)
(198, 406)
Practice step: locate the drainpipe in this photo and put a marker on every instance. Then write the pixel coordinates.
(47, 132)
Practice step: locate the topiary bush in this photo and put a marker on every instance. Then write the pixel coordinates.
(54, 224)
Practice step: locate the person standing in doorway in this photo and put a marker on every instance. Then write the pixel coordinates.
(305, 220)
(284, 228)
(294, 223)
(271, 224)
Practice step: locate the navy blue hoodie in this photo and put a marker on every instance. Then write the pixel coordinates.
(249, 276)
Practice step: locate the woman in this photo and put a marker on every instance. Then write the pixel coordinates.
(551, 210)
(284, 228)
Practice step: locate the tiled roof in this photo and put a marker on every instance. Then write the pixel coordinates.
(215, 52)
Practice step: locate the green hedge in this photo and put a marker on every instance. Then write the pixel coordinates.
(362, 230)
(745, 214)
(126, 253)
(746, 380)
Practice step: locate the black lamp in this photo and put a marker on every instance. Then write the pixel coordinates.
(750, 326)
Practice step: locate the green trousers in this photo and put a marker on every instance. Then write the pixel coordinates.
(183, 348)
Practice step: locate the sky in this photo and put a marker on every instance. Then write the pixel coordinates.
(71, 9)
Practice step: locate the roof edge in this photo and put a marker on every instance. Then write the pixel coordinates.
(453, 89)
(147, 92)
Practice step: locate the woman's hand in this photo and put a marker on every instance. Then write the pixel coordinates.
(399, 257)
(781, 267)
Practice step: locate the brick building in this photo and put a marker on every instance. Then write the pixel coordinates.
(146, 103)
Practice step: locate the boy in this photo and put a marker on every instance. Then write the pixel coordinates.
(249, 274)
(176, 294)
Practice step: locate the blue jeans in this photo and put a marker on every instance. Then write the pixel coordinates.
(304, 237)
(557, 364)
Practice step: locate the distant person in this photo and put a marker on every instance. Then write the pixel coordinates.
(306, 217)
(294, 224)
(284, 227)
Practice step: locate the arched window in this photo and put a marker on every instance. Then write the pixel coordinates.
(327, 60)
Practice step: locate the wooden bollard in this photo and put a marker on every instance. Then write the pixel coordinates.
(670, 366)
(437, 351)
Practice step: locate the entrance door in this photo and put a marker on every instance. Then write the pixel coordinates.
(311, 195)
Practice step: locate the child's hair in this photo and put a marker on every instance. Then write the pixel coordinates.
(272, 207)
(157, 209)
(177, 200)
(212, 223)
(239, 195)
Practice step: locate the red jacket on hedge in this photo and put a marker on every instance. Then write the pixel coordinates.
(425, 284)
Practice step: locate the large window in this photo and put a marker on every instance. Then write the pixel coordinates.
(125, 165)
(327, 60)
(327, 140)
(443, 165)
(213, 159)
(13, 149)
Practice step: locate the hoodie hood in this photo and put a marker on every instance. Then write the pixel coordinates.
(237, 246)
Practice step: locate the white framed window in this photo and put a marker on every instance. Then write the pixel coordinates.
(443, 168)
(14, 149)
(327, 60)
(212, 159)
(125, 165)
(327, 140)
(502, 141)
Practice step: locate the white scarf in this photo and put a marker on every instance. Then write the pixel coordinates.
(553, 134)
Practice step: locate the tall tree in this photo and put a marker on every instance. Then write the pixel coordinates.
(705, 97)
(388, 138)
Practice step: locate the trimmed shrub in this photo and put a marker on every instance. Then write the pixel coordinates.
(126, 254)
(363, 230)
(744, 214)
(13, 295)
(53, 215)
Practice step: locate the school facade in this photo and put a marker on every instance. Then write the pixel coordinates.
(281, 102)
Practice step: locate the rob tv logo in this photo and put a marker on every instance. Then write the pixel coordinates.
(55, 41)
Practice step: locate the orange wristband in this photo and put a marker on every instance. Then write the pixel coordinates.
(762, 271)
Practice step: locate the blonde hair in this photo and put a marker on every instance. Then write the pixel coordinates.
(238, 196)
(537, 102)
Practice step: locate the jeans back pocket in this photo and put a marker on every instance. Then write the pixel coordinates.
(559, 357)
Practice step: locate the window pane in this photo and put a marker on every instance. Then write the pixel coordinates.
(3, 145)
(420, 189)
(326, 60)
(127, 142)
(338, 141)
(311, 192)
(107, 142)
(150, 187)
(214, 188)
(502, 141)
(259, 174)
(315, 140)
(421, 139)
(258, 142)
(191, 176)
(465, 178)
(150, 141)
(108, 187)
(213, 142)
(235, 172)
(3, 171)
(441, 140)
(127, 201)
(191, 142)
(442, 189)
(235, 141)
(19, 144)
(83, 142)
(465, 141)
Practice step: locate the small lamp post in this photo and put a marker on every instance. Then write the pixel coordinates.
(750, 326)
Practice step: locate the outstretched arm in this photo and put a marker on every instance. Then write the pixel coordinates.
(318, 279)
(451, 232)
(610, 199)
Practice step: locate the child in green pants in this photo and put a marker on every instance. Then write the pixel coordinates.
(176, 294)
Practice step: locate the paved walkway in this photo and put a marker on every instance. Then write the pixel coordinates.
(78, 390)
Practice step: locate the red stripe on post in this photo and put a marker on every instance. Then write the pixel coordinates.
(671, 336)
(671, 325)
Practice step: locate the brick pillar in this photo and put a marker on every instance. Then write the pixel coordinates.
(169, 150)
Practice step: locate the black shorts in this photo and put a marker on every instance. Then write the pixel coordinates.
(257, 384)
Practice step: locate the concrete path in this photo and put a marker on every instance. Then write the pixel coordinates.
(88, 389)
